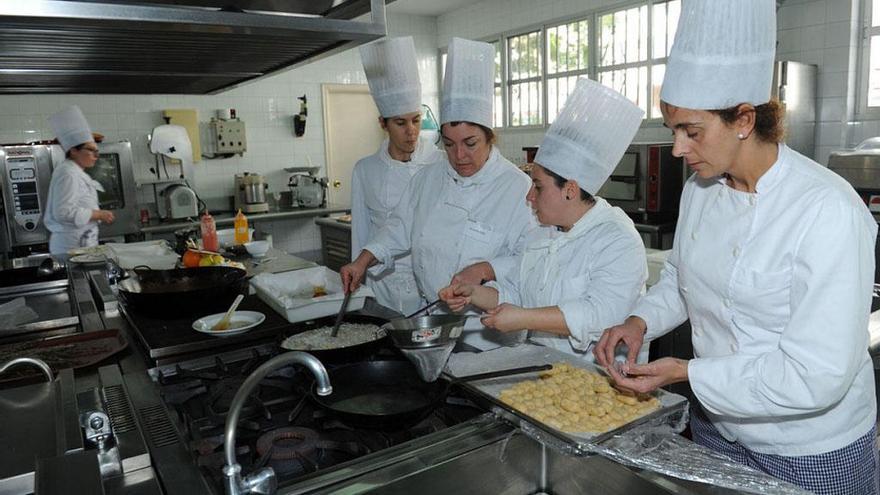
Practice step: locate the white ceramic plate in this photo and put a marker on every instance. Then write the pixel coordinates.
(88, 258)
(242, 321)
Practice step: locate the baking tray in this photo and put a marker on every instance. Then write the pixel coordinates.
(673, 407)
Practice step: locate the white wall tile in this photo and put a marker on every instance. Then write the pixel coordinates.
(832, 84)
(814, 13)
(838, 10)
(837, 34)
(831, 109)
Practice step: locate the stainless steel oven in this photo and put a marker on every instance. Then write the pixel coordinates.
(115, 171)
(26, 172)
(648, 180)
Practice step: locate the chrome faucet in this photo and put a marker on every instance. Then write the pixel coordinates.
(32, 361)
(262, 481)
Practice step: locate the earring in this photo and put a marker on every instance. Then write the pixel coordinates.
(740, 136)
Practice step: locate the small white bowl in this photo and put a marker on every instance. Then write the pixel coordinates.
(226, 237)
(257, 249)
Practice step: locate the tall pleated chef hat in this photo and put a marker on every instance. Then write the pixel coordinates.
(469, 83)
(70, 127)
(393, 74)
(590, 135)
(722, 54)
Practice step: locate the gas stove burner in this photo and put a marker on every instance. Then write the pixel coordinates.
(287, 443)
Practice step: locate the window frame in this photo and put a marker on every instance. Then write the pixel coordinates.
(866, 32)
(592, 17)
(591, 60)
(507, 84)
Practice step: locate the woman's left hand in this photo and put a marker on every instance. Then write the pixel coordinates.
(644, 378)
(504, 318)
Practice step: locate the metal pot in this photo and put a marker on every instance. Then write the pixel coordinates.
(182, 292)
(254, 188)
(425, 331)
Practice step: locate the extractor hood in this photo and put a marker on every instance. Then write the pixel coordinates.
(168, 46)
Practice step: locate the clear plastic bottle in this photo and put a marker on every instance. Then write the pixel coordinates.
(209, 233)
(241, 229)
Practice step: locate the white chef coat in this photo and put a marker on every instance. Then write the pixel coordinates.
(73, 195)
(450, 222)
(378, 182)
(777, 286)
(594, 273)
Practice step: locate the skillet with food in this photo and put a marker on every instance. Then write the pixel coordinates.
(360, 337)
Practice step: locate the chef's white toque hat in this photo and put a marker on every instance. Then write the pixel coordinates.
(722, 55)
(590, 135)
(70, 127)
(469, 83)
(393, 74)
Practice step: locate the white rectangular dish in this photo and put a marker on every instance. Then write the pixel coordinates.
(293, 294)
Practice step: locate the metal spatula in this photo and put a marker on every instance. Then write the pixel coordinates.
(340, 315)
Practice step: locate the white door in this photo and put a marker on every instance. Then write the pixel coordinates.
(351, 132)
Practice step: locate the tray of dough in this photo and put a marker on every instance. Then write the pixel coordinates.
(574, 402)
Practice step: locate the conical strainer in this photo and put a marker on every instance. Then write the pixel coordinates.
(427, 341)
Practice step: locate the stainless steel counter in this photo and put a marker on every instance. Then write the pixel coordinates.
(225, 219)
(482, 455)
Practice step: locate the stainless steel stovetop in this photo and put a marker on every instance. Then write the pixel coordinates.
(281, 426)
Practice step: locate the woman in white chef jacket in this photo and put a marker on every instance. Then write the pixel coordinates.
(72, 212)
(773, 263)
(378, 180)
(589, 274)
(465, 209)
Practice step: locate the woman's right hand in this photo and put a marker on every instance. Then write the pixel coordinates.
(103, 216)
(456, 296)
(631, 332)
(352, 275)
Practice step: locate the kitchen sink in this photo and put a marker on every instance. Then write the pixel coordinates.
(515, 464)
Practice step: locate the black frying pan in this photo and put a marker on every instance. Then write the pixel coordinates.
(379, 394)
(182, 292)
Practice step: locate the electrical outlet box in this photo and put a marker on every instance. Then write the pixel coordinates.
(229, 136)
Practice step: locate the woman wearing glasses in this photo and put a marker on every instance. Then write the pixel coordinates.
(72, 212)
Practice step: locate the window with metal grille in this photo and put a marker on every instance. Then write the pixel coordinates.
(625, 61)
(664, 23)
(498, 116)
(524, 79)
(625, 49)
(568, 57)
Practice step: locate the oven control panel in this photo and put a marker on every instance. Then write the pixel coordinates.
(21, 174)
(25, 173)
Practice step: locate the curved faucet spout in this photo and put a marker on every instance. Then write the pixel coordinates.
(234, 484)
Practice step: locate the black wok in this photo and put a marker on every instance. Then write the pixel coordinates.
(182, 292)
(344, 355)
(380, 394)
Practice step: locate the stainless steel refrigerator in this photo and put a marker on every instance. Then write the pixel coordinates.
(794, 84)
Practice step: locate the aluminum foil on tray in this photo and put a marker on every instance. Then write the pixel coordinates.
(671, 410)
